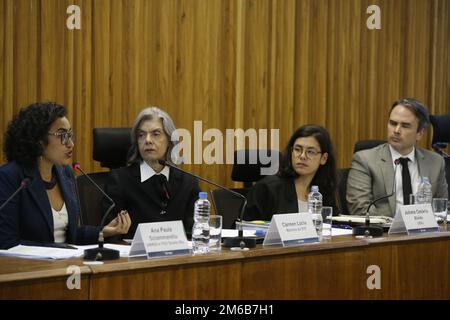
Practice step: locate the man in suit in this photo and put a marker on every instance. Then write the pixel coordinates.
(372, 173)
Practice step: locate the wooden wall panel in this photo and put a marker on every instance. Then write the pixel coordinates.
(231, 64)
(81, 101)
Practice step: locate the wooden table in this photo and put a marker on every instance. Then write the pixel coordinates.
(410, 268)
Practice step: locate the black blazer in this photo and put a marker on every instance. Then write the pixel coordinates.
(274, 195)
(28, 218)
(145, 201)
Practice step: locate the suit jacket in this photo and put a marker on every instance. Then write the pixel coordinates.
(28, 218)
(372, 176)
(274, 195)
(145, 201)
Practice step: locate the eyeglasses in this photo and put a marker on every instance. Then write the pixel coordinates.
(309, 152)
(155, 135)
(65, 136)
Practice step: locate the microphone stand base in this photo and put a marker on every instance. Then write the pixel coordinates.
(241, 242)
(368, 231)
(98, 254)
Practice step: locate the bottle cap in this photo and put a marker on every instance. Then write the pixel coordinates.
(203, 195)
(314, 188)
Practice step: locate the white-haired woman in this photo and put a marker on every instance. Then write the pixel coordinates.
(148, 190)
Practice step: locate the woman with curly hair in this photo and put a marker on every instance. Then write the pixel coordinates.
(307, 160)
(38, 143)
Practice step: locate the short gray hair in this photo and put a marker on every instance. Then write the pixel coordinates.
(151, 113)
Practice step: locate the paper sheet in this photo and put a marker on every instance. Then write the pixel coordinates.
(41, 252)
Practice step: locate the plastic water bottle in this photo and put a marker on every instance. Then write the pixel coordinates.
(424, 192)
(200, 230)
(315, 209)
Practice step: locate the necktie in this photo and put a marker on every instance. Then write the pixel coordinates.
(165, 192)
(406, 180)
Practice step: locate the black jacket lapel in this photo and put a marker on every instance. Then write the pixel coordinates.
(39, 195)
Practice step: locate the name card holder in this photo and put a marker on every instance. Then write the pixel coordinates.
(414, 219)
(291, 229)
(160, 239)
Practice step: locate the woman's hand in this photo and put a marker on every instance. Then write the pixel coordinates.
(120, 225)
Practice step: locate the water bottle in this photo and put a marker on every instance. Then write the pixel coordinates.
(424, 192)
(200, 230)
(315, 209)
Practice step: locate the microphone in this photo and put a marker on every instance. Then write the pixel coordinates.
(375, 231)
(99, 253)
(25, 183)
(240, 241)
(439, 148)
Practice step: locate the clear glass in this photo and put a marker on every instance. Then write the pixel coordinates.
(215, 233)
(440, 212)
(327, 218)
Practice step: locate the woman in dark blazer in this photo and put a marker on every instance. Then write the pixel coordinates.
(38, 143)
(148, 190)
(307, 160)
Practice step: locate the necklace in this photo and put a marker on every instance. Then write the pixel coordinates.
(50, 184)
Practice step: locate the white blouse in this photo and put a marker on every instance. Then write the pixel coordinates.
(302, 206)
(60, 223)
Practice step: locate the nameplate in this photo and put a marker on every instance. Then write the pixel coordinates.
(413, 219)
(291, 229)
(160, 239)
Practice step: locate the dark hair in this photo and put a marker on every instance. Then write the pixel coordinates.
(28, 129)
(416, 107)
(325, 176)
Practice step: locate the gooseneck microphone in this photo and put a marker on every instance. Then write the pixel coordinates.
(99, 253)
(374, 231)
(25, 183)
(240, 241)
